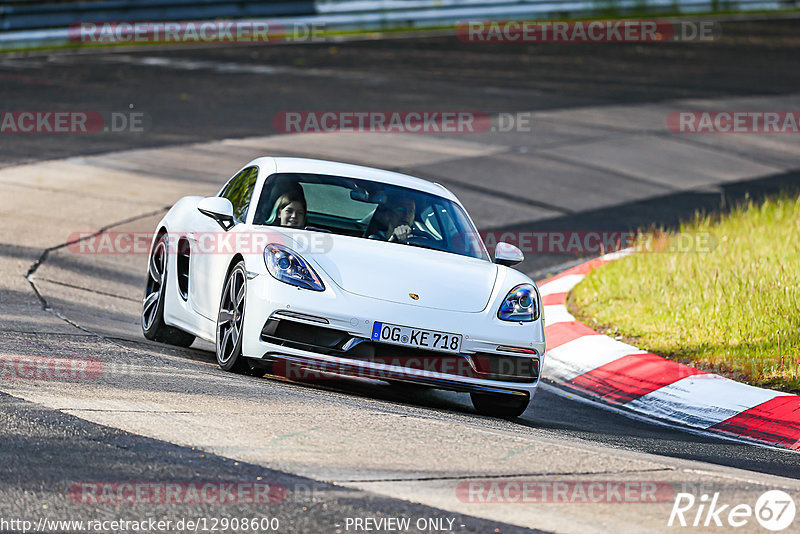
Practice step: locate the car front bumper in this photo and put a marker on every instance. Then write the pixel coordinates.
(353, 317)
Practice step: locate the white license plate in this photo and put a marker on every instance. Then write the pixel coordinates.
(416, 337)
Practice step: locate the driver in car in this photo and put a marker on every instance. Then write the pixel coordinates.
(399, 220)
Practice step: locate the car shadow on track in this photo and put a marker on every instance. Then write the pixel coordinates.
(551, 413)
(396, 393)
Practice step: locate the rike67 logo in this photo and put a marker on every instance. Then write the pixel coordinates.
(774, 510)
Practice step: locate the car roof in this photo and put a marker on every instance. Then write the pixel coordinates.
(335, 168)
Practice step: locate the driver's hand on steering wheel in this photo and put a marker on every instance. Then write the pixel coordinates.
(401, 233)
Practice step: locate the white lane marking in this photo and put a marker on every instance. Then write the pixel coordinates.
(648, 418)
(557, 313)
(560, 285)
(229, 67)
(702, 400)
(584, 354)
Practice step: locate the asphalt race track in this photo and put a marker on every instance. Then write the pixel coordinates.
(597, 156)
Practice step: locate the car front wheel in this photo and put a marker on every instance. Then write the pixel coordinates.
(230, 324)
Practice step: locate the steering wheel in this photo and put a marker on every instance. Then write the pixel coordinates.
(419, 237)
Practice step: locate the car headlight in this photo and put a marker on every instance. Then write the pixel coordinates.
(521, 304)
(289, 267)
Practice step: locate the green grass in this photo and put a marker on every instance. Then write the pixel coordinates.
(733, 309)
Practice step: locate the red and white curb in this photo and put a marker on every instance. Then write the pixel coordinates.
(595, 365)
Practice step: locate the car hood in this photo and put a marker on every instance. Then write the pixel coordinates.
(393, 272)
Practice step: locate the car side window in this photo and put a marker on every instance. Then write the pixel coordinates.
(239, 191)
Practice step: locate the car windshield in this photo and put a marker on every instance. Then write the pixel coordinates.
(369, 210)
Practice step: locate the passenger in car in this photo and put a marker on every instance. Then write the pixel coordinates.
(290, 209)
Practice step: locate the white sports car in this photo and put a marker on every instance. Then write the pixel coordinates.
(306, 268)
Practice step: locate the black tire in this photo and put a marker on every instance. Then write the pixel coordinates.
(499, 405)
(153, 326)
(230, 323)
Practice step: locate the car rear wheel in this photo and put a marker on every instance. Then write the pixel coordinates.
(230, 325)
(153, 326)
(499, 405)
